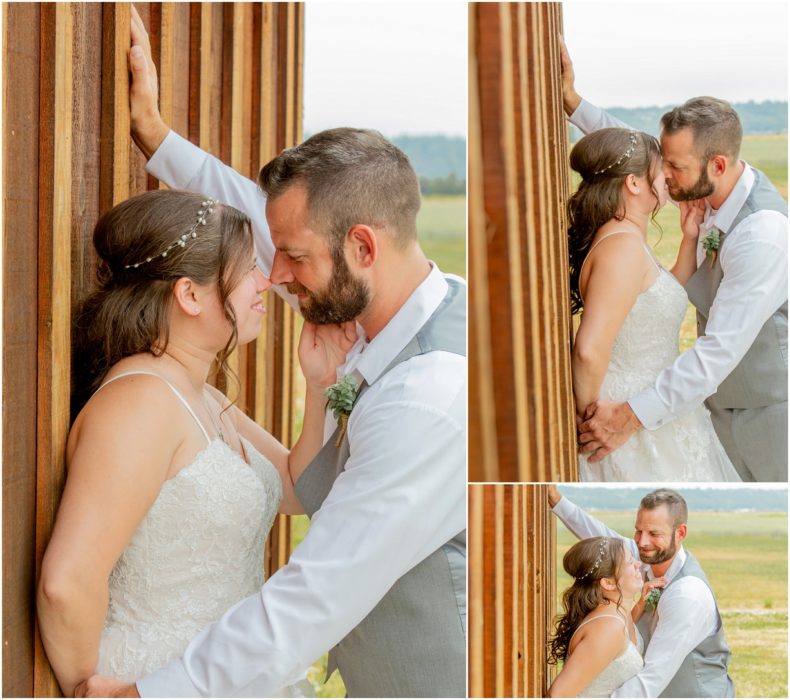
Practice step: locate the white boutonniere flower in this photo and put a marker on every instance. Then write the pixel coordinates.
(341, 397)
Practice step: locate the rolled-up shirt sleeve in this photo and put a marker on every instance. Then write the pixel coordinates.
(584, 525)
(754, 286)
(588, 118)
(397, 501)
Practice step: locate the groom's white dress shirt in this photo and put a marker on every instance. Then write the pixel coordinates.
(686, 612)
(401, 497)
(754, 262)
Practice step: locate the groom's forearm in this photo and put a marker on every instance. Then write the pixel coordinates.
(587, 117)
(581, 523)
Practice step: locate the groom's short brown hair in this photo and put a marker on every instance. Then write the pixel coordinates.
(351, 176)
(715, 124)
(675, 503)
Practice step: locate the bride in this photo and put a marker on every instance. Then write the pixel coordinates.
(633, 307)
(596, 637)
(171, 489)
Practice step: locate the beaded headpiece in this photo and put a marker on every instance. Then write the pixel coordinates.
(623, 158)
(207, 207)
(598, 559)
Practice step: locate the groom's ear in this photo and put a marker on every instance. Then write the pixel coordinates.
(682, 531)
(362, 245)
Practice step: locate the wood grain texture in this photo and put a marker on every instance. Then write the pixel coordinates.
(21, 128)
(521, 414)
(68, 157)
(512, 592)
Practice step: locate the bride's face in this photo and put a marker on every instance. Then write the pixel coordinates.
(629, 576)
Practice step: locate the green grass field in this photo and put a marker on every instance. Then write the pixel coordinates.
(745, 559)
(441, 227)
(767, 153)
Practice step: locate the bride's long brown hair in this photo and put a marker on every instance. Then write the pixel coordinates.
(128, 311)
(585, 594)
(599, 196)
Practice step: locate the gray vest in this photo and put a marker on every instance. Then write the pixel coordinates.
(703, 673)
(760, 378)
(413, 643)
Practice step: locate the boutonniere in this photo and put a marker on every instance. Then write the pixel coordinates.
(341, 400)
(711, 245)
(651, 599)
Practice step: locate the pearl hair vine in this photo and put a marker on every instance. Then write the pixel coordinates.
(623, 158)
(207, 208)
(598, 560)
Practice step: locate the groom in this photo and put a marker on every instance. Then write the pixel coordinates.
(687, 654)
(739, 363)
(380, 578)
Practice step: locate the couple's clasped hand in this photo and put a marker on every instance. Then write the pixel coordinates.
(604, 426)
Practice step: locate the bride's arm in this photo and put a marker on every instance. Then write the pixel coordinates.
(603, 642)
(617, 274)
(691, 215)
(113, 478)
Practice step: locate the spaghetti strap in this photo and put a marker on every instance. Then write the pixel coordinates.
(596, 617)
(614, 233)
(174, 390)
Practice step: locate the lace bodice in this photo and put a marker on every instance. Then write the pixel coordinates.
(197, 552)
(648, 339)
(619, 670)
(684, 449)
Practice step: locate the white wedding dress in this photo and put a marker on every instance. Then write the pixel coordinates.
(197, 552)
(684, 449)
(619, 670)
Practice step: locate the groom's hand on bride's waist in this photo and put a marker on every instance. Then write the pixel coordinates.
(607, 426)
(100, 687)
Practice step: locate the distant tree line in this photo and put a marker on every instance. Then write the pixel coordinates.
(442, 185)
(699, 499)
(768, 117)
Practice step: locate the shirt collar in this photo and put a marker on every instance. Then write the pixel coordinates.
(674, 568)
(368, 360)
(723, 217)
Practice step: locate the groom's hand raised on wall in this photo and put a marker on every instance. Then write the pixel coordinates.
(607, 426)
(148, 128)
(570, 98)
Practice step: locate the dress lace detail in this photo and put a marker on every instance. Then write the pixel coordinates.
(621, 669)
(684, 449)
(196, 553)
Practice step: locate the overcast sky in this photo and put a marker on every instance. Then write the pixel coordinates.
(399, 67)
(647, 52)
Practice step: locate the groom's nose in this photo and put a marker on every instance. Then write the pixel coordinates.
(281, 270)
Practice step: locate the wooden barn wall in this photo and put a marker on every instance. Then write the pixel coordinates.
(512, 589)
(231, 80)
(521, 417)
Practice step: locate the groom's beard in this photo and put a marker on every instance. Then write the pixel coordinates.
(659, 556)
(344, 298)
(702, 188)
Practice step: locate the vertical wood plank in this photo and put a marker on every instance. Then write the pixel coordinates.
(521, 420)
(512, 593)
(22, 64)
(54, 293)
